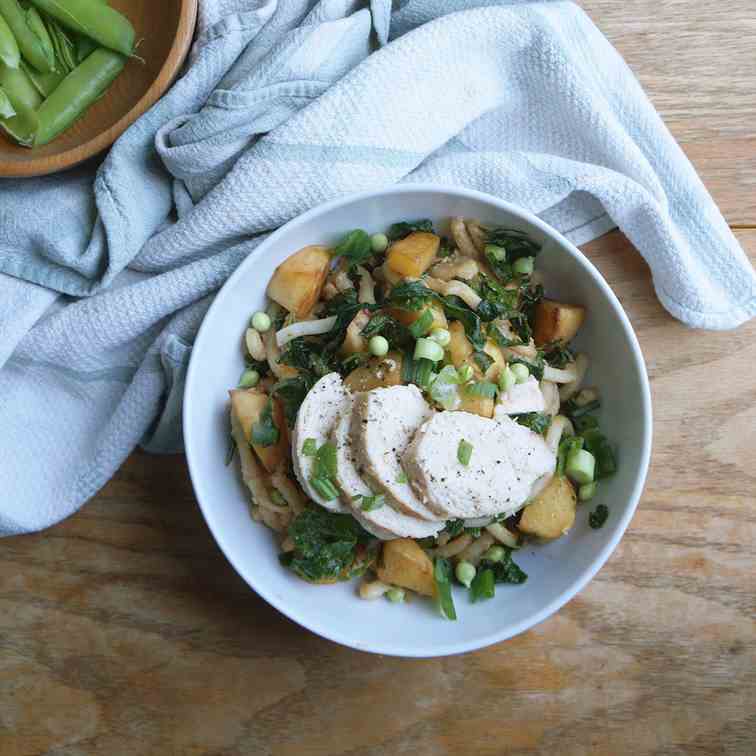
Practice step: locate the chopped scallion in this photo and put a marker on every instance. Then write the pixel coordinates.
(442, 572)
(423, 324)
(427, 349)
(464, 452)
(325, 488)
(369, 503)
(310, 447)
(580, 466)
(483, 586)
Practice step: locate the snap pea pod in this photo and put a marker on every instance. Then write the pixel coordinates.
(28, 42)
(9, 52)
(84, 45)
(65, 55)
(6, 109)
(76, 93)
(19, 88)
(46, 83)
(25, 99)
(37, 25)
(94, 19)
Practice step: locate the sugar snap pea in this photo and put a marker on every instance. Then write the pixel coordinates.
(19, 88)
(9, 52)
(84, 45)
(28, 42)
(37, 25)
(46, 83)
(6, 109)
(65, 50)
(23, 96)
(94, 19)
(76, 93)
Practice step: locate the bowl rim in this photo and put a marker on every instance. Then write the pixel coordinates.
(49, 164)
(331, 632)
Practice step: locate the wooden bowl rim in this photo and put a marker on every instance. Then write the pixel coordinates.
(42, 166)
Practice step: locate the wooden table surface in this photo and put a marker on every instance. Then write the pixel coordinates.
(124, 631)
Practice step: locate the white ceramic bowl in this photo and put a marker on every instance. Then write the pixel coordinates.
(557, 571)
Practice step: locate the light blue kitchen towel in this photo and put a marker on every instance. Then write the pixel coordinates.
(106, 272)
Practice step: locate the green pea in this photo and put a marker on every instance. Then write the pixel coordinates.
(10, 55)
(76, 93)
(29, 43)
(93, 19)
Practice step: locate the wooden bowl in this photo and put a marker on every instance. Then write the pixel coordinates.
(166, 28)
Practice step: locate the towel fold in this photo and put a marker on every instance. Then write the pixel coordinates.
(106, 271)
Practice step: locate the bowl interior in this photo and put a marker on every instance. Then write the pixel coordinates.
(156, 25)
(556, 570)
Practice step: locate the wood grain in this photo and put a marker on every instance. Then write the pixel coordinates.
(696, 62)
(164, 31)
(124, 630)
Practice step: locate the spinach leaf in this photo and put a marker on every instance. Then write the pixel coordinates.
(343, 301)
(498, 338)
(534, 366)
(557, 354)
(598, 517)
(326, 545)
(483, 585)
(264, 431)
(414, 295)
(454, 527)
(397, 334)
(353, 361)
(482, 360)
(442, 572)
(261, 366)
(411, 295)
(517, 243)
(456, 309)
(530, 296)
(538, 422)
(306, 353)
(405, 228)
(291, 392)
(355, 247)
(505, 571)
(498, 302)
(597, 444)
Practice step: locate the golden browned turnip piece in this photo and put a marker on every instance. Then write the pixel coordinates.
(298, 280)
(477, 405)
(247, 406)
(405, 564)
(556, 321)
(413, 255)
(552, 512)
(459, 347)
(380, 372)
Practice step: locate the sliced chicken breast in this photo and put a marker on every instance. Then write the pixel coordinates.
(385, 522)
(508, 460)
(315, 419)
(522, 397)
(383, 424)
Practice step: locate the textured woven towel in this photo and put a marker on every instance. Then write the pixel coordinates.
(105, 272)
